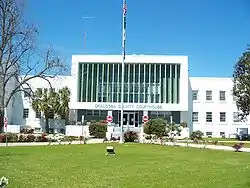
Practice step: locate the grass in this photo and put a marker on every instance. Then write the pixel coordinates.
(136, 165)
(221, 139)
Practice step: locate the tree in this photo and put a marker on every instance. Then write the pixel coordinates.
(63, 99)
(241, 84)
(45, 101)
(155, 126)
(20, 59)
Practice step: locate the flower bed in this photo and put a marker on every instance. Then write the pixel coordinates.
(13, 137)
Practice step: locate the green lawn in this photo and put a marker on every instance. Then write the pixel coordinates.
(136, 165)
(221, 139)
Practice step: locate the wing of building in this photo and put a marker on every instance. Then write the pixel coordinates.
(154, 86)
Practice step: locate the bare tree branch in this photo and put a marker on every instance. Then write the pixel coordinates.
(20, 59)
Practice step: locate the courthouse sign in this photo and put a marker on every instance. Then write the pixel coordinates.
(117, 106)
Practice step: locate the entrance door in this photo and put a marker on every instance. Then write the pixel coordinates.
(129, 119)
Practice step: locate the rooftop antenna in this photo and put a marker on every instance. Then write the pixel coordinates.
(85, 18)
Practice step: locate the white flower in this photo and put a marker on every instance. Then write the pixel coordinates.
(3, 182)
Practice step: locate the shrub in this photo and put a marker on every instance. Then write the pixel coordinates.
(42, 138)
(70, 138)
(11, 137)
(237, 147)
(215, 142)
(98, 129)
(196, 135)
(184, 124)
(21, 138)
(148, 137)
(155, 126)
(81, 138)
(130, 136)
(2, 138)
(30, 138)
(172, 130)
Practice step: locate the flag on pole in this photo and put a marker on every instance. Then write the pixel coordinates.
(124, 26)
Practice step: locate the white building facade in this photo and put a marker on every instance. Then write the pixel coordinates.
(214, 107)
(154, 86)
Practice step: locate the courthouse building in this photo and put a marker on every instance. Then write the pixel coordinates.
(154, 86)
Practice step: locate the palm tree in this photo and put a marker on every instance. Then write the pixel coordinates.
(45, 100)
(63, 98)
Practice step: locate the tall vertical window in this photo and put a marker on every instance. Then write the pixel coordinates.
(222, 95)
(195, 95)
(209, 117)
(25, 113)
(209, 95)
(195, 117)
(222, 116)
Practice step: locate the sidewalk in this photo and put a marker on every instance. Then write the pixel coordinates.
(214, 147)
(95, 141)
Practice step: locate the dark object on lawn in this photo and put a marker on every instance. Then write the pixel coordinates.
(215, 142)
(110, 150)
(237, 147)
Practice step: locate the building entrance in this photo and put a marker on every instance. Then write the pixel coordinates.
(131, 119)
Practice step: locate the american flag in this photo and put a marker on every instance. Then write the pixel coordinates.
(124, 26)
(125, 8)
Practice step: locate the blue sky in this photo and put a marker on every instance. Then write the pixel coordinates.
(213, 33)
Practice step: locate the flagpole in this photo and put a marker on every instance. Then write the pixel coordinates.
(123, 58)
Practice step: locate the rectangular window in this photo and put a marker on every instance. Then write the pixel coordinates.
(222, 95)
(236, 117)
(195, 116)
(25, 113)
(209, 96)
(38, 114)
(209, 134)
(195, 95)
(89, 112)
(222, 134)
(222, 116)
(209, 117)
